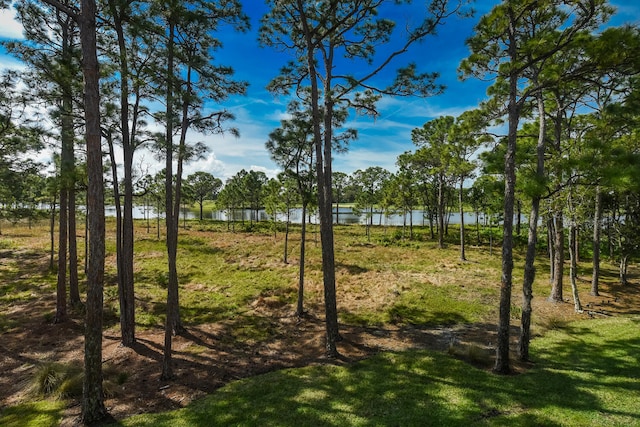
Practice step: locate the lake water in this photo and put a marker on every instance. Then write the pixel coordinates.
(345, 216)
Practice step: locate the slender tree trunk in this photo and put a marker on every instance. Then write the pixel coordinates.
(558, 259)
(93, 408)
(597, 226)
(124, 214)
(128, 308)
(172, 232)
(147, 209)
(178, 196)
(502, 364)
(462, 236)
(431, 231)
(527, 285)
(52, 229)
(286, 235)
(573, 233)
(303, 243)
(532, 239)
(551, 248)
(86, 241)
(518, 217)
(410, 224)
(323, 174)
(66, 172)
(490, 238)
(328, 264)
(369, 223)
(610, 237)
(119, 237)
(440, 212)
(326, 227)
(74, 292)
(624, 264)
(159, 208)
(61, 287)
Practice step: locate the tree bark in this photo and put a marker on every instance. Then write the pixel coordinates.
(93, 409)
(323, 175)
(172, 230)
(532, 239)
(624, 264)
(285, 256)
(558, 258)
(463, 256)
(597, 227)
(61, 287)
(573, 232)
(440, 212)
(518, 217)
(502, 363)
(303, 243)
(126, 329)
(74, 292)
(127, 308)
(52, 229)
(550, 248)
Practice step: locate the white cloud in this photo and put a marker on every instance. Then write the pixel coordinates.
(9, 27)
(10, 63)
(403, 108)
(271, 173)
(209, 164)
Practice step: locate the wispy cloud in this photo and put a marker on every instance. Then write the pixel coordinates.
(9, 27)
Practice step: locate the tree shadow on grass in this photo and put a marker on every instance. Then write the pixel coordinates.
(408, 389)
(352, 269)
(416, 388)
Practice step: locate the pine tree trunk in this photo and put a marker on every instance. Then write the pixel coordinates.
(93, 408)
(52, 230)
(550, 248)
(410, 225)
(462, 243)
(61, 287)
(323, 175)
(440, 212)
(595, 277)
(558, 259)
(326, 237)
(527, 285)
(502, 363)
(303, 238)
(329, 280)
(518, 218)
(532, 239)
(624, 263)
(286, 235)
(167, 360)
(74, 292)
(573, 232)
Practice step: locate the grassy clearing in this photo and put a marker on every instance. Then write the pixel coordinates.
(380, 281)
(41, 413)
(585, 374)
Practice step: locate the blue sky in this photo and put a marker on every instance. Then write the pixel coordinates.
(380, 141)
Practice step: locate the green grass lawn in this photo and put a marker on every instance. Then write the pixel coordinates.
(32, 414)
(585, 375)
